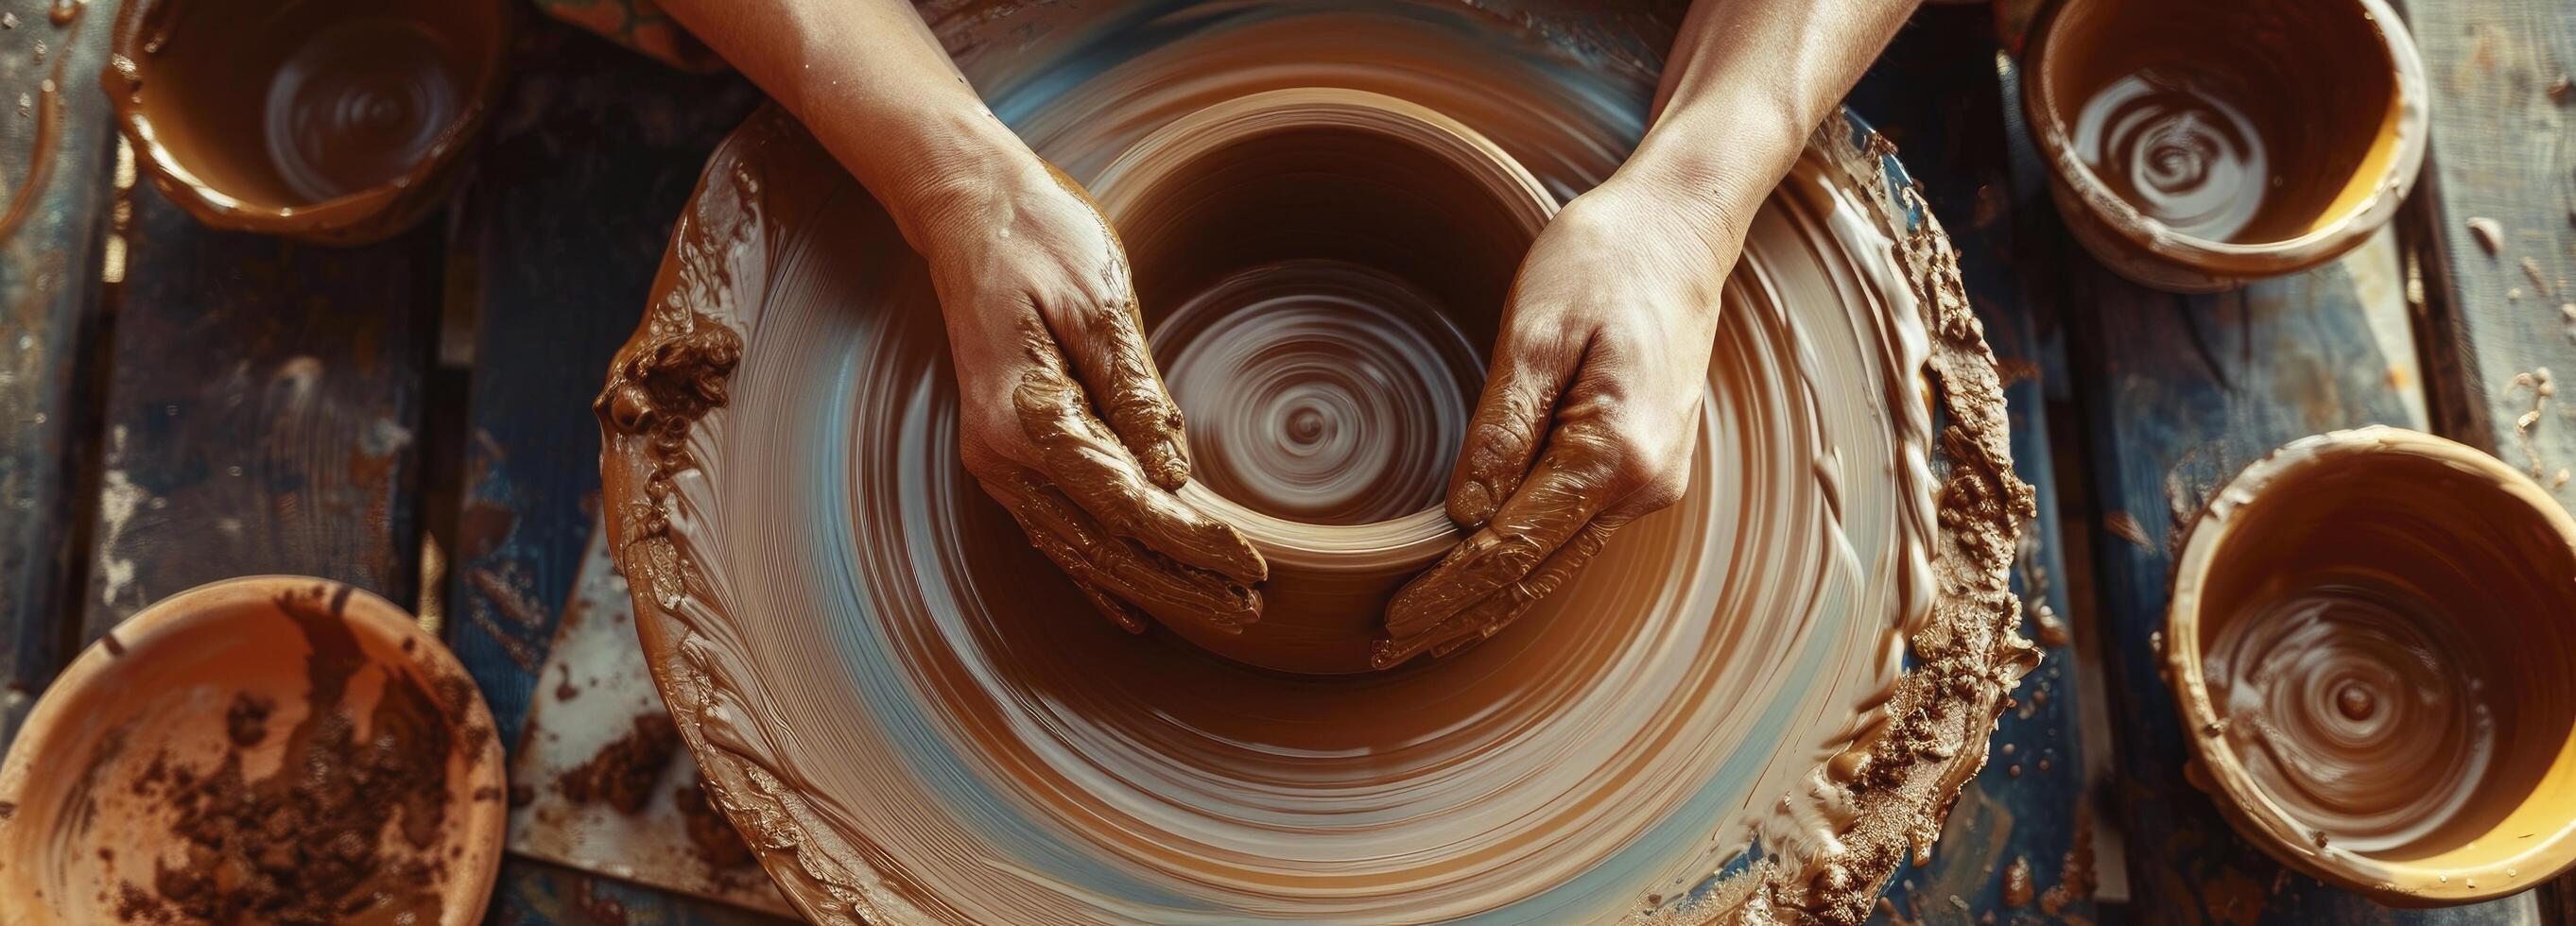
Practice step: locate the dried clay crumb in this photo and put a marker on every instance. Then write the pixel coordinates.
(623, 772)
(2489, 232)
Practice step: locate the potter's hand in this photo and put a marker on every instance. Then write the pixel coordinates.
(1062, 416)
(1590, 411)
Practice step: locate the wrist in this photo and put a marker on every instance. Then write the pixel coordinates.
(1718, 161)
(929, 159)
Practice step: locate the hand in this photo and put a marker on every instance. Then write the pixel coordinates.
(1590, 412)
(1062, 416)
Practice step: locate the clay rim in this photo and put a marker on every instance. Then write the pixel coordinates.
(2226, 259)
(1413, 538)
(483, 822)
(350, 218)
(1967, 656)
(2244, 802)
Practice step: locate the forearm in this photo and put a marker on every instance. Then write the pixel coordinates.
(875, 87)
(1746, 83)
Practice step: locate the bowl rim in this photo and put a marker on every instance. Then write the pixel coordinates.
(2227, 260)
(484, 822)
(349, 218)
(1414, 538)
(2248, 807)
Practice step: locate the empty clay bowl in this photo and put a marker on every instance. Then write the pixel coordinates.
(2373, 640)
(325, 121)
(2196, 144)
(255, 750)
(1321, 270)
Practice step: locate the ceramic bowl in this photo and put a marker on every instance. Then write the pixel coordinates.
(2336, 116)
(338, 123)
(2373, 643)
(94, 792)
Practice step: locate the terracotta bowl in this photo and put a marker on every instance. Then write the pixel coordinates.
(94, 794)
(2373, 641)
(1325, 264)
(2192, 148)
(339, 123)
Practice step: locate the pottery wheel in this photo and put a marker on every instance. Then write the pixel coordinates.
(916, 719)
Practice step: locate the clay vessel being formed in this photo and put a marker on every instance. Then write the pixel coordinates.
(2371, 639)
(2198, 144)
(1321, 270)
(337, 123)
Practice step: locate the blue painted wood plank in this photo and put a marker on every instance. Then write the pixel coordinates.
(1934, 93)
(261, 414)
(591, 159)
(56, 160)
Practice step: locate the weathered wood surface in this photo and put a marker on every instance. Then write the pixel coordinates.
(1934, 93)
(56, 168)
(2179, 393)
(2503, 150)
(262, 407)
(534, 892)
(590, 161)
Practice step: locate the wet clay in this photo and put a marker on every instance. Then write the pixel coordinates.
(2337, 688)
(907, 710)
(2378, 634)
(323, 120)
(2227, 121)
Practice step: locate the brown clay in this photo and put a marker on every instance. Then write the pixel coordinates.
(330, 122)
(2369, 636)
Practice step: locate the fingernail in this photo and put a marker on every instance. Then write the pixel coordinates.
(1166, 464)
(1472, 504)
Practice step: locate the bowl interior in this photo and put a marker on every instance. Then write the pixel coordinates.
(1321, 269)
(2384, 634)
(2246, 122)
(160, 777)
(280, 106)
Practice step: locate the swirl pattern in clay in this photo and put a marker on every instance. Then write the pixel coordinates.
(2336, 690)
(2183, 156)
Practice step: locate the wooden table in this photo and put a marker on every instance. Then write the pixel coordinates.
(179, 405)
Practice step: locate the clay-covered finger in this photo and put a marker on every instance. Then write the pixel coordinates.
(1504, 435)
(1121, 578)
(1079, 456)
(1104, 338)
(1490, 615)
(1570, 486)
(1107, 348)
